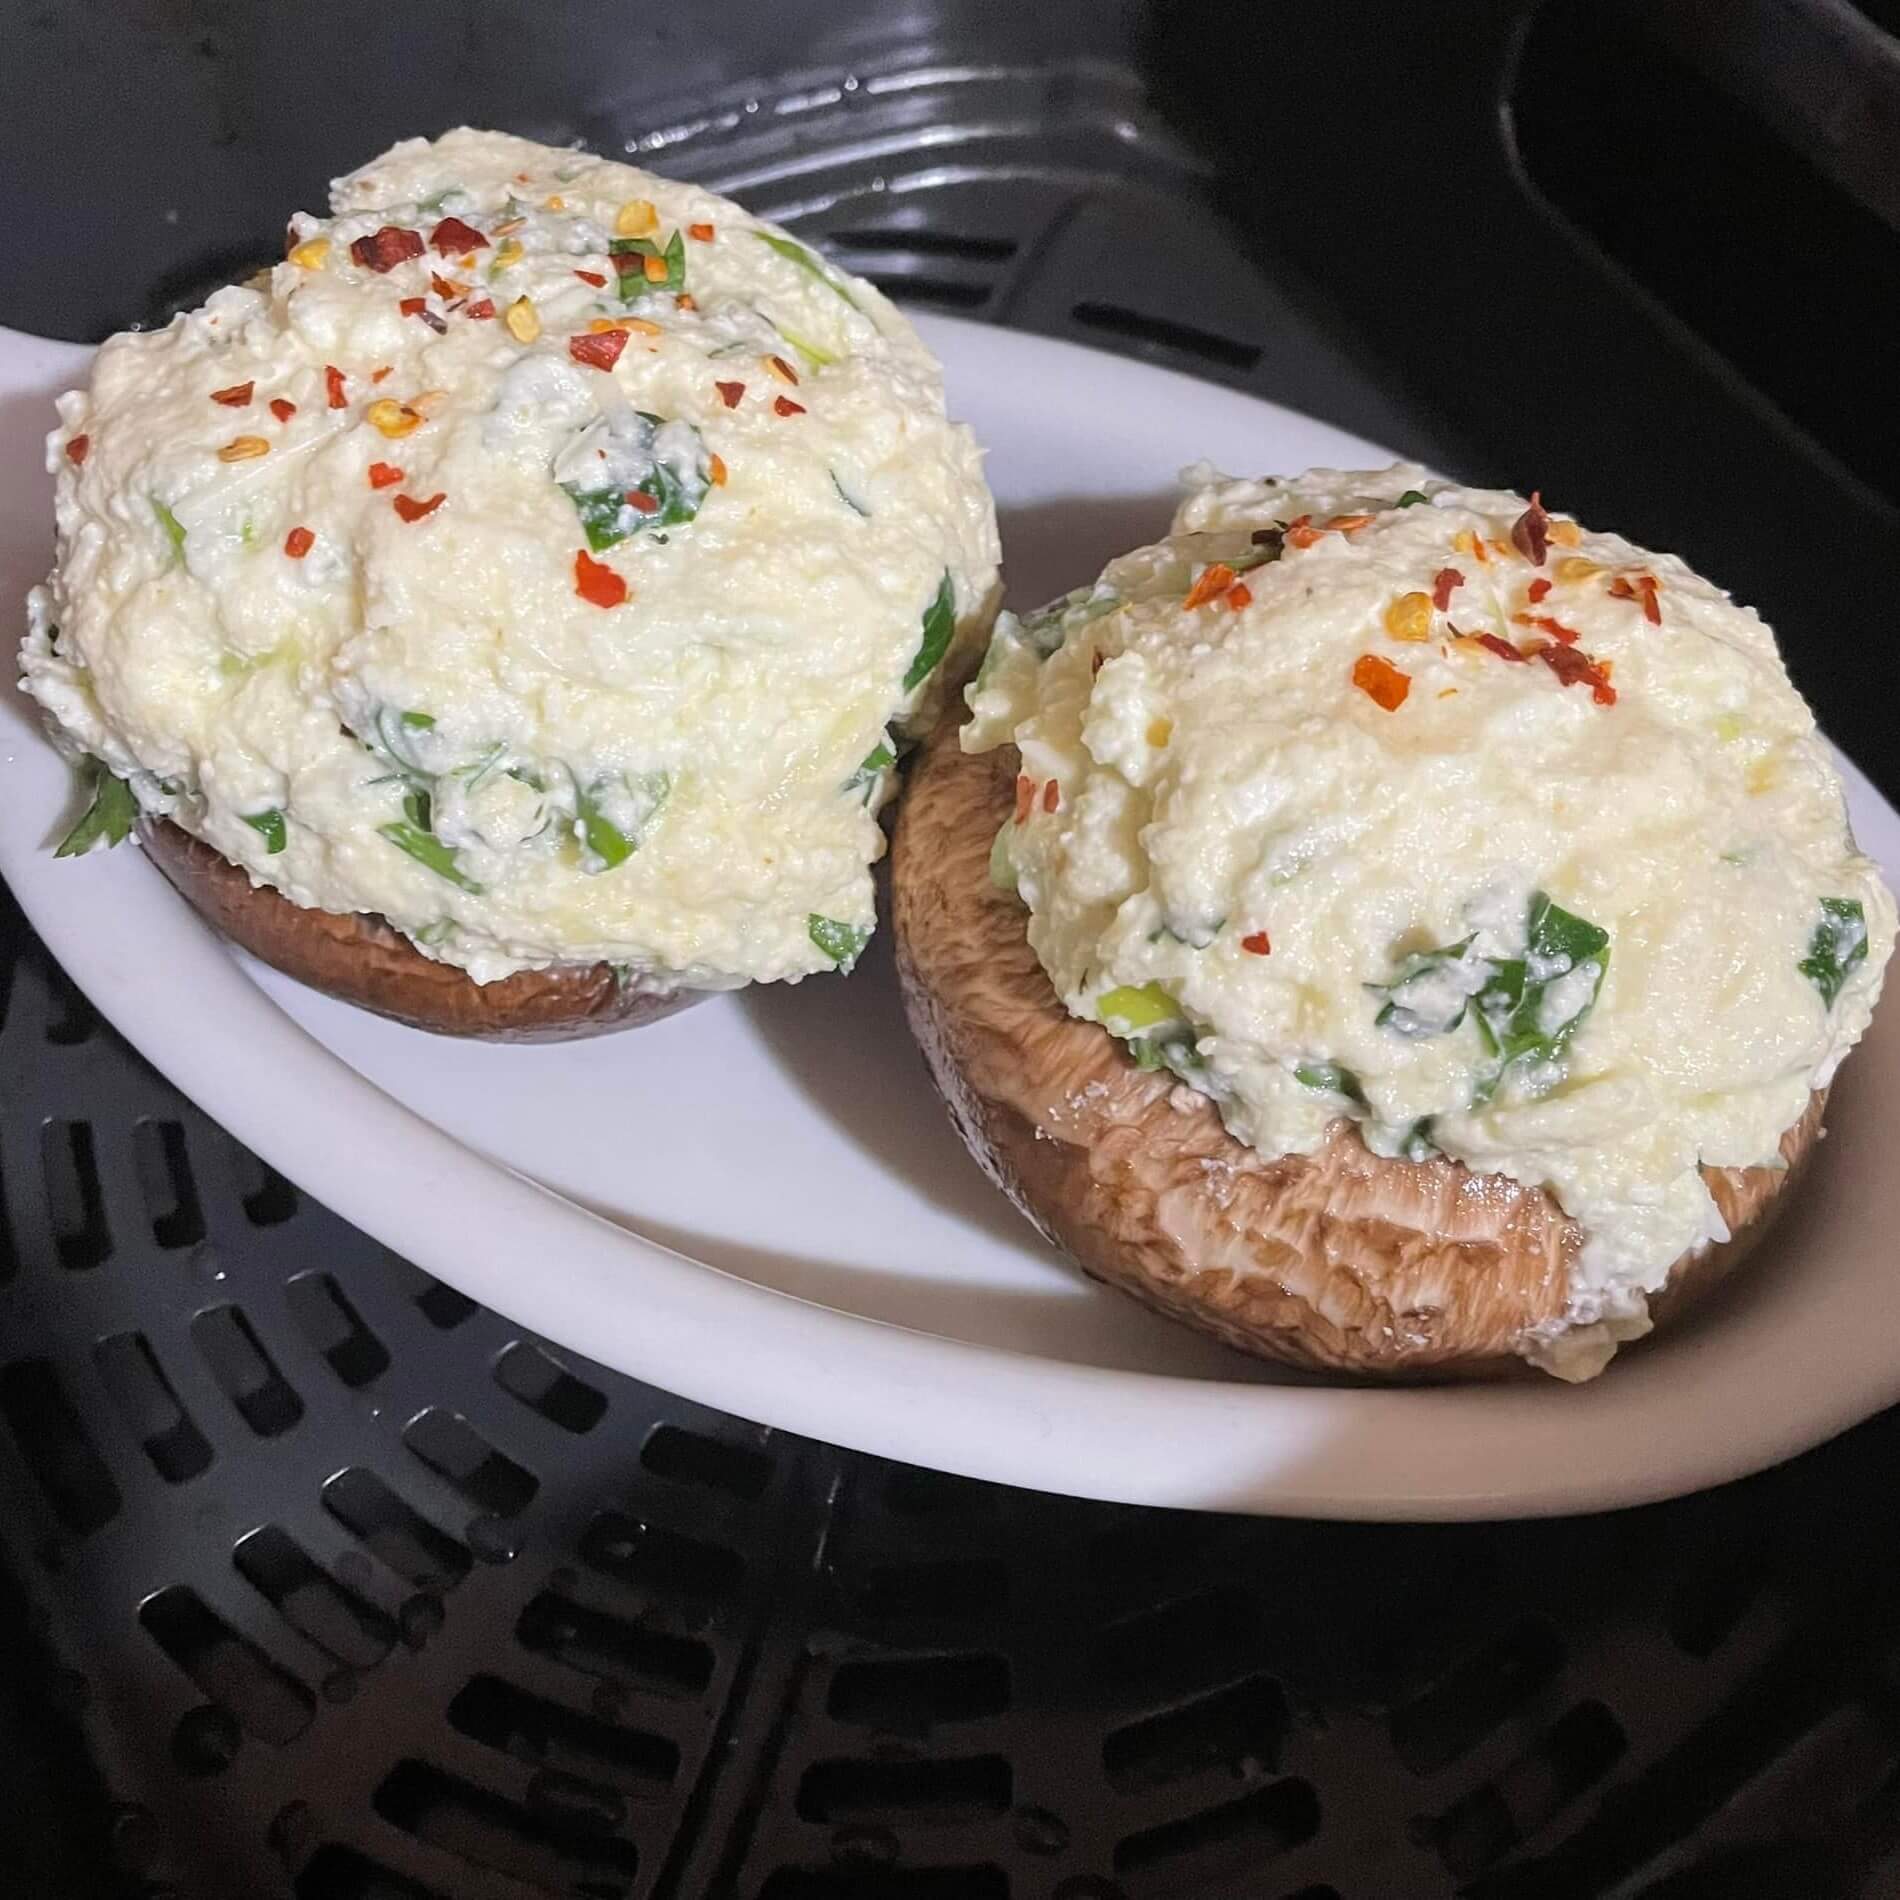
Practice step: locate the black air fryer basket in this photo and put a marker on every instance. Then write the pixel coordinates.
(327, 1583)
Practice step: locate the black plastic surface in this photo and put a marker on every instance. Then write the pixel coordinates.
(351, 1590)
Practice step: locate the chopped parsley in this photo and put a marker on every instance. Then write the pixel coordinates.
(107, 819)
(1838, 946)
(842, 943)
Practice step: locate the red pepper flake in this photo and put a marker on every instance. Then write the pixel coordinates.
(1025, 797)
(643, 503)
(412, 510)
(785, 406)
(730, 393)
(782, 370)
(1238, 596)
(592, 277)
(1212, 582)
(282, 408)
(451, 237)
(1300, 532)
(383, 475)
(684, 301)
(1576, 668)
(703, 232)
(445, 287)
(235, 397)
(1530, 532)
(333, 382)
(77, 449)
(1350, 524)
(598, 348)
(1051, 795)
(413, 306)
(1381, 682)
(1538, 589)
(383, 250)
(1568, 636)
(1444, 583)
(481, 310)
(596, 582)
(376, 376)
(1645, 589)
(1257, 944)
(1502, 648)
(298, 542)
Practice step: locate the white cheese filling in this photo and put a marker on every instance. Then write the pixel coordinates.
(1536, 863)
(615, 695)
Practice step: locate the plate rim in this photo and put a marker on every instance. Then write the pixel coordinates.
(1412, 1453)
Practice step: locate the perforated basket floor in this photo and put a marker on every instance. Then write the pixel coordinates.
(334, 1585)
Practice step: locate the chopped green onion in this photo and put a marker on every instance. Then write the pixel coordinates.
(815, 354)
(1838, 945)
(1002, 863)
(107, 819)
(1129, 1010)
(419, 721)
(436, 933)
(603, 838)
(174, 529)
(796, 253)
(842, 943)
(429, 851)
(269, 825)
(1411, 498)
(1331, 1078)
(940, 622)
(635, 282)
(871, 768)
(845, 496)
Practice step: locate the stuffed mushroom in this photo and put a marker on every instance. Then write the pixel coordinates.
(507, 613)
(1389, 926)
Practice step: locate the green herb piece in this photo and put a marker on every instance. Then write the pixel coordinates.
(415, 834)
(940, 622)
(429, 851)
(439, 932)
(609, 518)
(174, 529)
(107, 819)
(1411, 498)
(1331, 1078)
(1132, 1008)
(419, 721)
(815, 354)
(1002, 863)
(604, 839)
(634, 281)
(269, 825)
(1838, 945)
(842, 943)
(435, 202)
(1514, 1007)
(1415, 1007)
(844, 495)
(797, 254)
(871, 768)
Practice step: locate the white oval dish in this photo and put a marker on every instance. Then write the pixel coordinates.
(761, 1205)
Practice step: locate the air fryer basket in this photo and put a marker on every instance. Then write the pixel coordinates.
(329, 1583)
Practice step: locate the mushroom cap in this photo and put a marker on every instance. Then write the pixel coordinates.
(1339, 1260)
(360, 959)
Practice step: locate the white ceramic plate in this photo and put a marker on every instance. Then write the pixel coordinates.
(761, 1204)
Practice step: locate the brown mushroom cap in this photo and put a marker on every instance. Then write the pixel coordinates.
(1338, 1260)
(361, 959)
